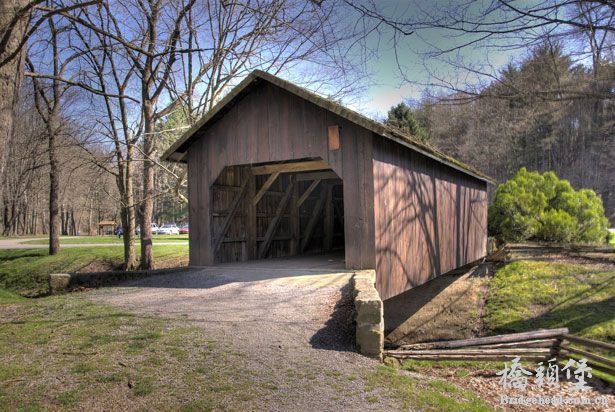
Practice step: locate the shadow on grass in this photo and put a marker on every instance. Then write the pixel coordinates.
(29, 254)
(576, 317)
(594, 289)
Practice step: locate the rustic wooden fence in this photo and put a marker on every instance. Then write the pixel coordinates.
(536, 345)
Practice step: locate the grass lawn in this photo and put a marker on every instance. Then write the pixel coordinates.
(75, 240)
(527, 295)
(66, 352)
(612, 238)
(424, 395)
(25, 271)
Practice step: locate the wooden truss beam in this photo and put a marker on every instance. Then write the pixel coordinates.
(326, 175)
(329, 222)
(290, 167)
(231, 213)
(273, 225)
(307, 192)
(313, 220)
(263, 189)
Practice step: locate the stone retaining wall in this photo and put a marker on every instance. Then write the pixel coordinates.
(65, 282)
(369, 314)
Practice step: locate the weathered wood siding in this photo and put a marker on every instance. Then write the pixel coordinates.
(429, 218)
(270, 124)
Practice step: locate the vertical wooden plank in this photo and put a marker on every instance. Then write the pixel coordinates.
(273, 225)
(352, 201)
(377, 213)
(295, 221)
(273, 125)
(230, 215)
(250, 216)
(266, 109)
(307, 236)
(194, 176)
(367, 202)
(328, 221)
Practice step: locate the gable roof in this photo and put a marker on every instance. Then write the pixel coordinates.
(176, 152)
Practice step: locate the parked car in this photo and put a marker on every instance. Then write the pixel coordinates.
(184, 230)
(154, 229)
(168, 229)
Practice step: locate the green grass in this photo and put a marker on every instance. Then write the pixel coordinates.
(428, 395)
(611, 240)
(67, 352)
(79, 240)
(25, 271)
(418, 365)
(527, 295)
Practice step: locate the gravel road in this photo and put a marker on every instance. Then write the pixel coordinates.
(290, 323)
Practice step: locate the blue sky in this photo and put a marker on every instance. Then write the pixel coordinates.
(387, 86)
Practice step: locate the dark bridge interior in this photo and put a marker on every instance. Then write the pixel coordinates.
(275, 210)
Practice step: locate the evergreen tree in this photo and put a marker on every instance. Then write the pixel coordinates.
(402, 117)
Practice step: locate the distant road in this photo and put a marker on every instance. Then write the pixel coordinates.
(17, 243)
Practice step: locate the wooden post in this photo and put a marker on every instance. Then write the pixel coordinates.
(313, 219)
(273, 225)
(229, 216)
(328, 223)
(295, 221)
(250, 216)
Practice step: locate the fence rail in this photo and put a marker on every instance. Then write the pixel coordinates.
(541, 344)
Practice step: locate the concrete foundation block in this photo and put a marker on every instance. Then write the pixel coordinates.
(369, 310)
(59, 283)
(369, 314)
(370, 339)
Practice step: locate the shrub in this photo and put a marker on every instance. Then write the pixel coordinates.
(557, 226)
(586, 207)
(533, 205)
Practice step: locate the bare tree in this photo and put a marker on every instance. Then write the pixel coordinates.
(16, 27)
(11, 33)
(48, 99)
(111, 74)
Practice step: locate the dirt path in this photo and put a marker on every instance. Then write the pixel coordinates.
(292, 325)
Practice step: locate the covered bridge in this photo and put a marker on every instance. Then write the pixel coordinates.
(275, 170)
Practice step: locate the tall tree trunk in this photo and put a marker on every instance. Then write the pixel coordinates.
(10, 73)
(147, 206)
(128, 211)
(62, 221)
(73, 226)
(5, 220)
(90, 229)
(54, 191)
